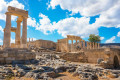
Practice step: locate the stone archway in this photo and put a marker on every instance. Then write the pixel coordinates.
(116, 62)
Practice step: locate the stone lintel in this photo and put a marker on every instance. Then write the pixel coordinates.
(17, 12)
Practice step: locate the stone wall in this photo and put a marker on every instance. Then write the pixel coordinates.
(94, 54)
(9, 55)
(42, 44)
(75, 57)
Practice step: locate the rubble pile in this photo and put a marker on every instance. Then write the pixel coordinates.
(48, 67)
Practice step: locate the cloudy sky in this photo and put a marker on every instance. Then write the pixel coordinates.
(54, 19)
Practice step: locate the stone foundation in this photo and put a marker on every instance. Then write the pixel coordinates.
(9, 55)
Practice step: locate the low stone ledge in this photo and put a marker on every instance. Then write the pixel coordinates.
(7, 56)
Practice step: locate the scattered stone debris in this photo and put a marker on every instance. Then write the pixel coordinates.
(48, 66)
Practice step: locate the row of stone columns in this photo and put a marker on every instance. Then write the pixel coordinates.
(82, 43)
(19, 42)
(30, 39)
(93, 45)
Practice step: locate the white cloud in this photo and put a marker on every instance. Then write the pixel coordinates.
(118, 35)
(84, 7)
(31, 22)
(1, 29)
(111, 40)
(1, 40)
(101, 38)
(12, 40)
(109, 10)
(73, 26)
(4, 5)
(45, 24)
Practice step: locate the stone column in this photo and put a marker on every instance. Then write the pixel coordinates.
(24, 33)
(83, 44)
(32, 39)
(98, 45)
(93, 45)
(18, 33)
(72, 46)
(87, 45)
(90, 45)
(7, 31)
(67, 45)
(29, 39)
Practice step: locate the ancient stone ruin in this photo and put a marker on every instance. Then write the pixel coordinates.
(20, 42)
(18, 51)
(48, 60)
(80, 44)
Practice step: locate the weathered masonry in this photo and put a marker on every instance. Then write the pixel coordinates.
(20, 42)
(64, 46)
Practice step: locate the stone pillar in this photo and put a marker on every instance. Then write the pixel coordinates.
(7, 31)
(90, 45)
(93, 45)
(83, 44)
(29, 39)
(18, 33)
(98, 45)
(32, 39)
(67, 45)
(72, 46)
(24, 33)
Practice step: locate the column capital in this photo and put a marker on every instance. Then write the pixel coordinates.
(18, 21)
(8, 13)
(24, 17)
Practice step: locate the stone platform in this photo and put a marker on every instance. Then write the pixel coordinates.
(7, 56)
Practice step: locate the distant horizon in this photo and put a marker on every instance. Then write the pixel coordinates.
(54, 19)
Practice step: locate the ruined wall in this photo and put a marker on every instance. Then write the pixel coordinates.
(94, 54)
(7, 56)
(42, 43)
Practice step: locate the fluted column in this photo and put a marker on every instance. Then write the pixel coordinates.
(18, 33)
(24, 33)
(83, 44)
(72, 46)
(93, 45)
(7, 31)
(29, 39)
(90, 45)
(67, 45)
(98, 45)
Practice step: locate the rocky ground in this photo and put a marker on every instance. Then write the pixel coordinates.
(51, 67)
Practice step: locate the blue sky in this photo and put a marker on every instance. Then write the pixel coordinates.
(54, 19)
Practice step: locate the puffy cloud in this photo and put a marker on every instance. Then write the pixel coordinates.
(12, 40)
(4, 5)
(101, 38)
(108, 10)
(31, 22)
(73, 26)
(45, 24)
(111, 40)
(118, 35)
(1, 40)
(84, 7)
(76, 26)
(1, 29)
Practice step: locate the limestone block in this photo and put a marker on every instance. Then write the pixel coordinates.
(5, 54)
(2, 60)
(9, 60)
